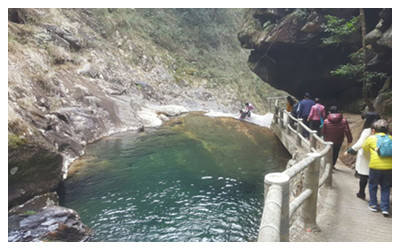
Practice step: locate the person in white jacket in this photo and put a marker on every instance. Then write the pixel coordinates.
(363, 157)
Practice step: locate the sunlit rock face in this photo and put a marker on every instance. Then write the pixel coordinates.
(287, 51)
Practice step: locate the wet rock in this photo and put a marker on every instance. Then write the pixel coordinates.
(163, 117)
(141, 129)
(35, 204)
(170, 110)
(51, 223)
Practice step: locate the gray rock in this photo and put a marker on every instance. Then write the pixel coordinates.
(52, 223)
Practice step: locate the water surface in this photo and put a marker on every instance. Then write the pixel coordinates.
(195, 179)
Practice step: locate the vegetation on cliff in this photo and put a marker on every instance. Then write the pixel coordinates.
(199, 45)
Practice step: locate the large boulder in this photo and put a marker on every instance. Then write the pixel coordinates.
(50, 223)
(32, 169)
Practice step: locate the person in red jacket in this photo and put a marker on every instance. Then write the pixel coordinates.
(334, 129)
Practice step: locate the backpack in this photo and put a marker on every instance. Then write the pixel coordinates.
(384, 146)
(295, 109)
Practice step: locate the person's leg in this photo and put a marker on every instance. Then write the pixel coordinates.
(335, 155)
(374, 178)
(386, 182)
(363, 183)
(314, 125)
(305, 132)
(319, 128)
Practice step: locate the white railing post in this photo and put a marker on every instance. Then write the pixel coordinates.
(285, 212)
(282, 180)
(299, 130)
(313, 141)
(269, 104)
(276, 113)
(288, 119)
(329, 160)
(271, 216)
(309, 209)
(277, 208)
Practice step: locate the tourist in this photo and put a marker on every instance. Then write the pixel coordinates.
(317, 116)
(295, 109)
(334, 129)
(246, 111)
(289, 104)
(248, 108)
(363, 157)
(380, 166)
(294, 114)
(304, 110)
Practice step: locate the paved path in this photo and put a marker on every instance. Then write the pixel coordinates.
(345, 218)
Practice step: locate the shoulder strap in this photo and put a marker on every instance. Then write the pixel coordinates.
(319, 112)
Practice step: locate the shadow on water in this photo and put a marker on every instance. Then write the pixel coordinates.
(195, 179)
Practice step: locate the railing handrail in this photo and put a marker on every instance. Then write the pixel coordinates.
(276, 97)
(280, 196)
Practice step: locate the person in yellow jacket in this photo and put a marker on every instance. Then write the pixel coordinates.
(289, 104)
(380, 169)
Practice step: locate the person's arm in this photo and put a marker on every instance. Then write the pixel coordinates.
(358, 145)
(311, 113)
(364, 135)
(299, 109)
(347, 131)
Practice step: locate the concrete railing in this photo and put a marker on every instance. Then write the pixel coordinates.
(278, 209)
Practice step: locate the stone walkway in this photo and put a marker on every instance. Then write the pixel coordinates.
(342, 217)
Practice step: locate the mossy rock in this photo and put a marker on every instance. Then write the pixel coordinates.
(32, 170)
(14, 141)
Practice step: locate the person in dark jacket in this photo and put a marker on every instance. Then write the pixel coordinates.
(334, 129)
(304, 110)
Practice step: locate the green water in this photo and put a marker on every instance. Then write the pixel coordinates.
(195, 179)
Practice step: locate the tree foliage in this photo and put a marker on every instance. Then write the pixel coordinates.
(339, 29)
(355, 70)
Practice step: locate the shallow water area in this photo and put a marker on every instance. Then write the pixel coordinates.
(196, 178)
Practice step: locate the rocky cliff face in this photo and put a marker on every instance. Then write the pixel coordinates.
(77, 75)
(287, 52)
